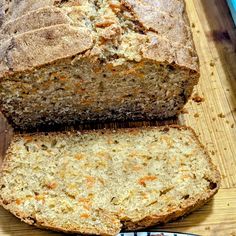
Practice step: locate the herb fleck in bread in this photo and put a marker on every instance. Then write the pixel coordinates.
(94, 60)
(99, 182)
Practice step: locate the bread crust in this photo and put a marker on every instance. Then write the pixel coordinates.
(46, 225)
(57, 42)
(180, 51)
(127, 224)
(40, 18)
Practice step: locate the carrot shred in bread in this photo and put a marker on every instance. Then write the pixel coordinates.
(28, 138)
(90, 181)
(145, 179)
(105, 23)
(85, 216)
(40, 197)
(51, 185)
(114, 6)
(79, 156)
(18, 201)
(61, 78)
(84, 199)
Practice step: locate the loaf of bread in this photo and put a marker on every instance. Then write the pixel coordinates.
(99, 182)
(71, 61)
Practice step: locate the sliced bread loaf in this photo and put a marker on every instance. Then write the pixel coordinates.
(99, 182)
(94, 60)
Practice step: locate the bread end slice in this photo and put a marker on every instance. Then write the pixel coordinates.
(99, 182)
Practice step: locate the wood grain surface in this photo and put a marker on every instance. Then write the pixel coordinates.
(213, 120)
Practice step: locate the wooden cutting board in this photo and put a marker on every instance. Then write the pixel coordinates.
(213, 118)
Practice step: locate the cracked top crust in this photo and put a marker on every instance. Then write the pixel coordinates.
(34, 33)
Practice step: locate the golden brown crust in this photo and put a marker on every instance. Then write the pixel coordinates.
(46, 225)
(169, 33)
(165, 27)
(175, 214)
(40, 18)
(15, 9)
(44, 45)
(166, 51)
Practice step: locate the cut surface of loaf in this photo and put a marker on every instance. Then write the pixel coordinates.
(89, 60)
(99, 182)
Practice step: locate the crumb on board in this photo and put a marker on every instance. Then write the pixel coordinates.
(212, 64)
(221, 115)
(225, 148)
(227, 122)
(227, 204)
(212, 73)
(193, 25)
(198, 31)
(207, 228)
(184, 111)
(227, 90)
(196, 115)
(213, 153)
(196, 98)
(213, 118)
(232, 126)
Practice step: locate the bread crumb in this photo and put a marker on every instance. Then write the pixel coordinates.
(198, 31)
(221, 115)
(213, 118)
(212, 64)
(225, 148)
(227, 90)
(207, 228)
(227, 122)
(227, 204)
(196, 98)
(184, 111)
(212, 73)
(223, 176)
(196, 115)
(193, 25)
(212, 153)
(232, 126)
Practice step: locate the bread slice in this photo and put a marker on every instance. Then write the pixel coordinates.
(99, 182)
(96, 60)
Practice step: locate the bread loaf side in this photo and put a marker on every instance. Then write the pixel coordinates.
(99, 182)
(94, 60)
